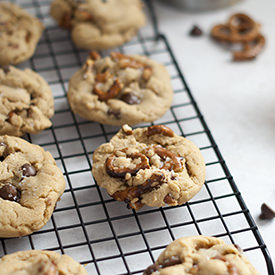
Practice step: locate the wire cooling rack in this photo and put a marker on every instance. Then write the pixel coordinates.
(89, 225)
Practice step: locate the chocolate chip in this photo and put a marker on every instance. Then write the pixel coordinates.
(174, 260)
(9, 192)
(114, 113)
(150, 269)
(6, 69)
(28, 170)
(130, 98)
(2, 143)
(266, 212)
(195, 31)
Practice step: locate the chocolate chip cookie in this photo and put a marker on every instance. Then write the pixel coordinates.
(19, 34)
(26, 102)
(38, 262)
(30, 186)
(99, 24)
(201, 255)
(151, 166)
(120, 89)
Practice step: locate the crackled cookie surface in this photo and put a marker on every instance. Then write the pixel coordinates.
(151, 166)
(19, 34)
(120, 89)
(30, 186)
(38, 262)
(201, 255)
(98, 24)
(26, 102)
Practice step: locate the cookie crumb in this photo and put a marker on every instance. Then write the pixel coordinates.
(266, 212)
(196, 31)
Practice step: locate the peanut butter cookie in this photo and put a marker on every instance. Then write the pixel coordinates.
(19, 34)
(26, 102)
(30, 186)
(99, 24)
(151, 166)
(201, 255)
(37, 262)
(120, 89)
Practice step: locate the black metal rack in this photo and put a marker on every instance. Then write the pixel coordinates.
(90, 226)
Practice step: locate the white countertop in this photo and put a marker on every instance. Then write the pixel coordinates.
(236, 99)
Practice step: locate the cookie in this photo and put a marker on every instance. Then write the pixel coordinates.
(38, 262)
(201, 255)
(151, 166)
(30, 186)
(19, 34)
(26, 102)
(120, 89)
(99, 24)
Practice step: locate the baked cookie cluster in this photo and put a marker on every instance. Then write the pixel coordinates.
(243, 30)
(145, 166)
(97, 24)
(149, 166)
(201, 255)
(120, 89)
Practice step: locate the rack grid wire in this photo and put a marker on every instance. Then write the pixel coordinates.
(89, 225)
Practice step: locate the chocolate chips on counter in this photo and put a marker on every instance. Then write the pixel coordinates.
(196, 31)
(266, 212)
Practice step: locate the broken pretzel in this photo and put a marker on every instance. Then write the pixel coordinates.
(240, 28)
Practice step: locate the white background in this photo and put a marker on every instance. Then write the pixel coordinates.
(236, 99)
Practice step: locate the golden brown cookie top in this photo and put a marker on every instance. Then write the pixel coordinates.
(201, 255)
(30, 185)
(26, 102)
(119, 89)
(38, 262)
(151, 166)
(19, 32)
(97, 24)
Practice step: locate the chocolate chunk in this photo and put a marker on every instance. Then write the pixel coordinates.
(114, 113)
(9, 192)
(150, 269)
(130, 98)
(6, 69)
(174, 260)
(266, 212)
(195, 31)
(2, 143)
(28, 170)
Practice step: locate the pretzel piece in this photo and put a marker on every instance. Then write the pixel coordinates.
(250, 49)
(120, 172)
(160, 129)
(111, 93)
(132, 195)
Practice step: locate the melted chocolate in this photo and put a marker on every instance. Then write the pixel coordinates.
(130, 98)
(10, 192)
(28, 170)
